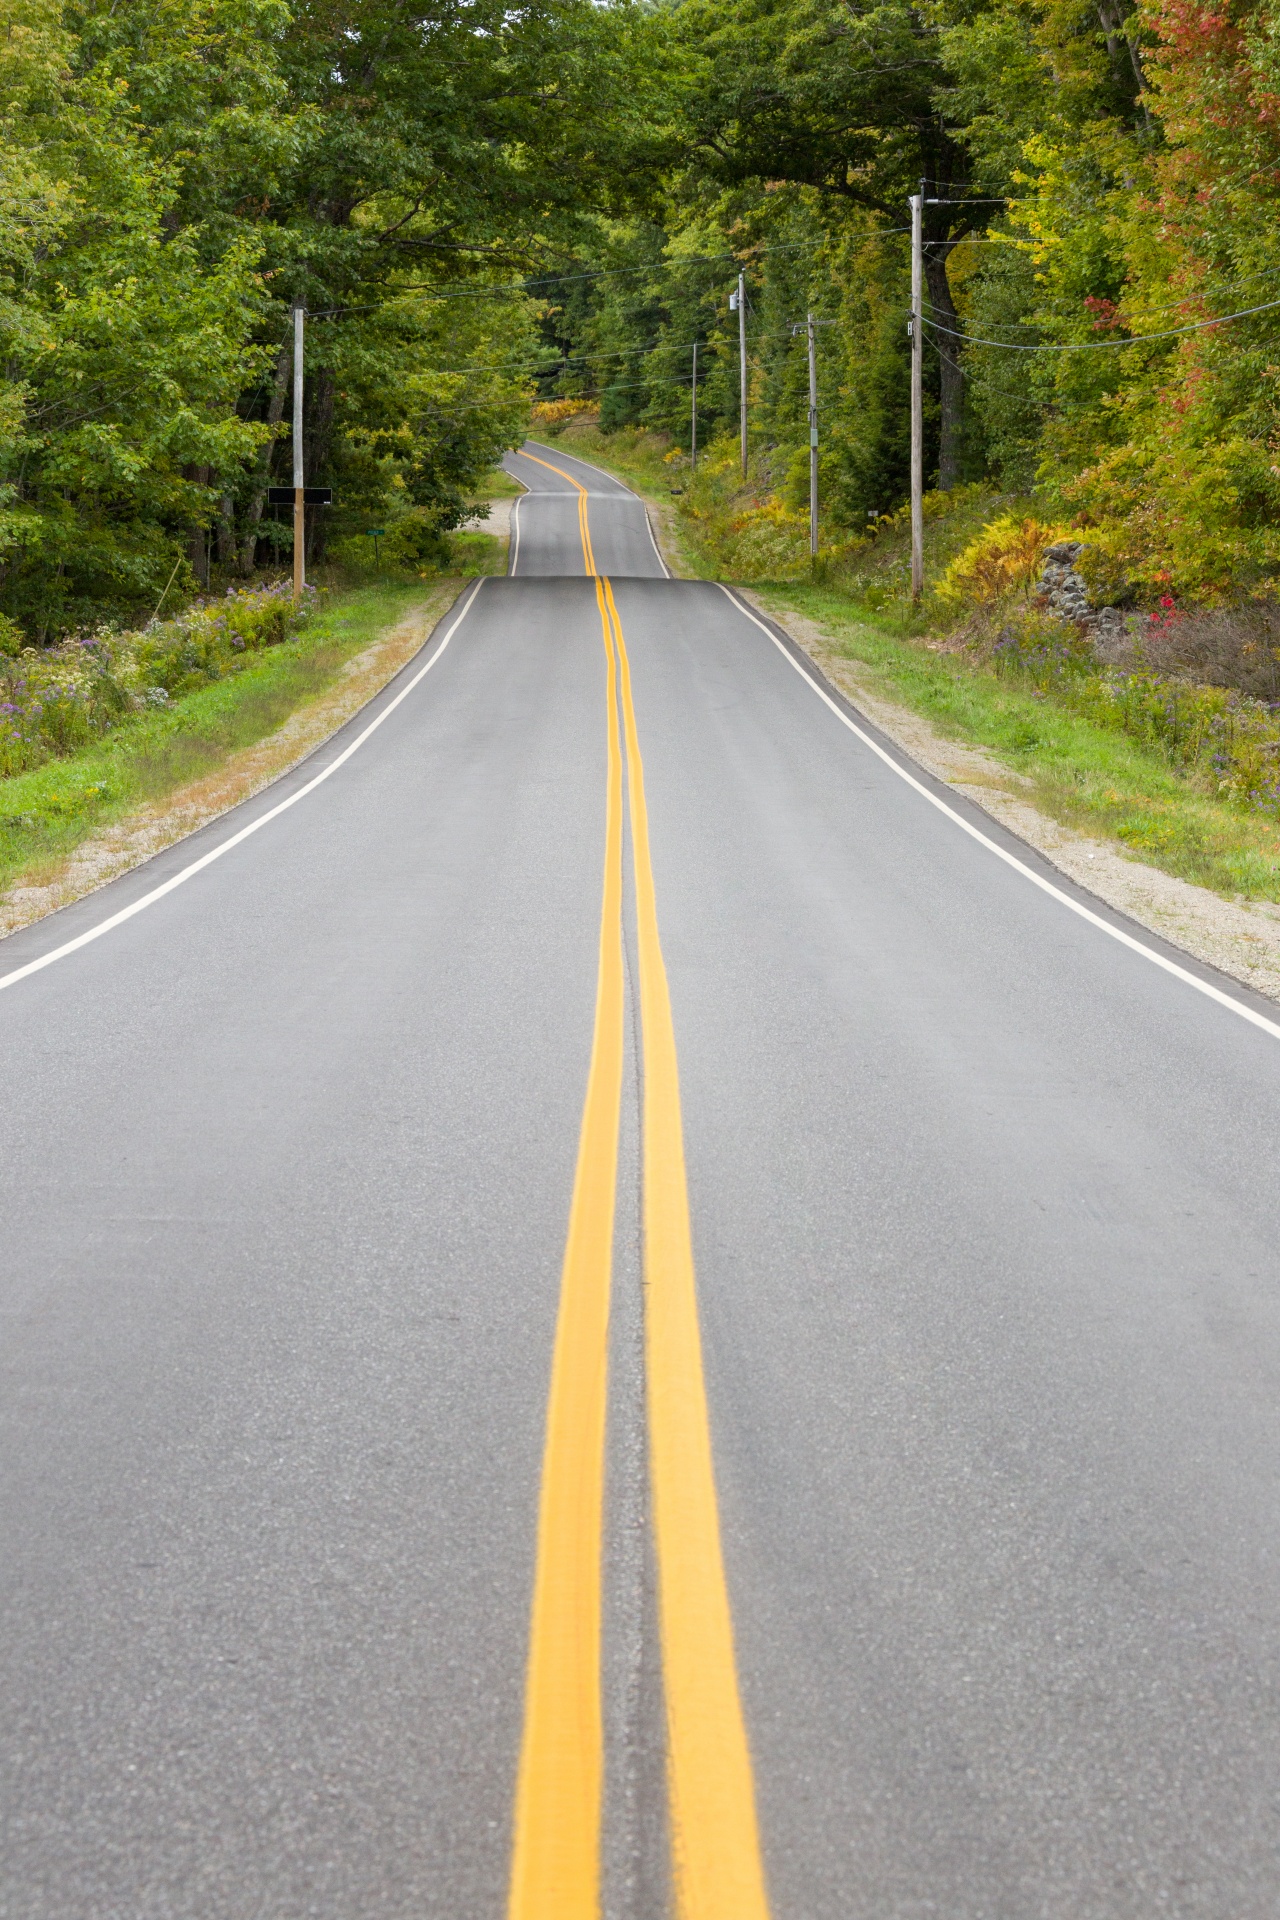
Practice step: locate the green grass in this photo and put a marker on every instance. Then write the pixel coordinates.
(477, 553)
(1084, 775)
(633, 454)
(1087, 776)
(46, 813)
(498, 485)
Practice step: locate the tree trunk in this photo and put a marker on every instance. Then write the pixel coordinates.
(319, 440)
(226, 533)
(944, 316)
(198, 538)
(275, 412)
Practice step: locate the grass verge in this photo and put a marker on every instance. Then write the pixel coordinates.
(1083, 775)
(47, 813)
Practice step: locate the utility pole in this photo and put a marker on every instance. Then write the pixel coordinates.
(693, 413)
(813, 438)
(739, 300)
(917, 394)
(299, 478)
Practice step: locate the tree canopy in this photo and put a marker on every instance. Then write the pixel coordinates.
(1100, 182)
(477, 202)
(176, 176)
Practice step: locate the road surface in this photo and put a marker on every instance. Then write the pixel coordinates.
(383, 1531)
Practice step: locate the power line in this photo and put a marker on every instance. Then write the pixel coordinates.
(522, 290)
(564, 360)
(1086, 346)
(592, 393)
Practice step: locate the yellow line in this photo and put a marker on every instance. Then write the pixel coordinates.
(555, 1869)
(588, 558)
(716, 1850)
(719, 1874)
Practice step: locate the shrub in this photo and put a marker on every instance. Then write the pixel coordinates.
(1004, 560)
(54, 700)
(551, 415)
(1236, 646)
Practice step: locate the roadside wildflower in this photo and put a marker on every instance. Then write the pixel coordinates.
(58, 699)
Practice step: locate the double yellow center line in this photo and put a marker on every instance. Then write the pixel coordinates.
(717, 1867)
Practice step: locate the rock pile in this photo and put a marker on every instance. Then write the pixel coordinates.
(1063, 592)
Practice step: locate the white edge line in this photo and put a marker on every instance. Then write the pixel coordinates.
(515, 552)
(1010, 859)
(653, 538)
(653, 541)
(225, 846)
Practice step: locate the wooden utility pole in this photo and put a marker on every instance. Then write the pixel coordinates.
(299, 477)
(740, 301)
(813, 438)
(917, 394)
(693, 414)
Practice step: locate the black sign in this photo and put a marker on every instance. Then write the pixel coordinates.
(312, 496)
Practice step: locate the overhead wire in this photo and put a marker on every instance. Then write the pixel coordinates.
(1085, 346)
(523, 289)
(591, 393)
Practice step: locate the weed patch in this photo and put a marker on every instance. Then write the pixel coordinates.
(48, 810)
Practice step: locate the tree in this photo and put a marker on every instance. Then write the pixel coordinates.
(124, 350)
(173, 177)
(842, 99)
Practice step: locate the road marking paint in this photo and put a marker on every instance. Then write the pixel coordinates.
(555, 1869)
(1011, 859)
(719, 1873)
(225, 846)
(515, 521)
(588, 558)
(586, 533)
(653, 538)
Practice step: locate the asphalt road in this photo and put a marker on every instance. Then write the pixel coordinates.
(984, 1210)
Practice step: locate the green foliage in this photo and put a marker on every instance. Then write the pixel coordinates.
(174, 177)
(1096, 180)
(58, 699)
(46, 811)
(479, 205)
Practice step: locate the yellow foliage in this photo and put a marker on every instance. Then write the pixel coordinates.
(556, 413)
(1005, 559)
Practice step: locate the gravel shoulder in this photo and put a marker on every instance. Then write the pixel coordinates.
(1240, 939)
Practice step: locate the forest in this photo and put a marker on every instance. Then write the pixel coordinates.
(1100, 189)
(485, 207)
(175, 176)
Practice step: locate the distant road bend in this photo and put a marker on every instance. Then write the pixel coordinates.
(616, 1304)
